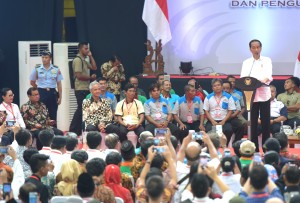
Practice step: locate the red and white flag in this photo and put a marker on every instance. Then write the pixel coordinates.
(297, 67)
(156, 17)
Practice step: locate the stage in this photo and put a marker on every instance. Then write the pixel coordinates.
(178, 82)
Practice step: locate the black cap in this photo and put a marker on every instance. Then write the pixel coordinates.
(46, 53)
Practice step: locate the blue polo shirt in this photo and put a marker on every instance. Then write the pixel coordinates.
(172, 99)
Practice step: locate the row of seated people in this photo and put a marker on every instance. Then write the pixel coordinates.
(197, 171)
(103, 113)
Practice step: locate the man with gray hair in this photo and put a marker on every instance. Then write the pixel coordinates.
(112, 143)
(278, 113)
(97, 113)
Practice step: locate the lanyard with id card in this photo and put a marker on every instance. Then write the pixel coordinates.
(189, 117)
(218, 114)
(158, 115)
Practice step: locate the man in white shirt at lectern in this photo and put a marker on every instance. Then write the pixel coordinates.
(259, 67)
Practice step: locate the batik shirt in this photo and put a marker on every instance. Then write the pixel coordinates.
(34, 114)
(96, 112)
(112, 76)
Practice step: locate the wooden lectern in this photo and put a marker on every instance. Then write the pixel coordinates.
(248, 86)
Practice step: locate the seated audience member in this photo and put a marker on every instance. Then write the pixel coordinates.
(271, 163)
(232, 80)
(247, 150)
(244, 175)
(278, 113)
(159, 80)
(236, 147)
(97, 113)
(40, 167)
(291, 178)
(81, 157)
(200, 92)
(228, 176)
(113, 71)
(116, 159)
(22, 142)
(4, 139)
(284, 145)
(188, 112)
(85, 186)
(112, 142)
(200, 187)
(174, 142)
(58, 148)
(218, 107)
(139, 93)
(104, 94)
(254, 188)
(128, 154)
(190, 152)
(112, 178)
(130, 114)
(238, 122)
(272, 144)
(71, 145)
(46, 137)
(291, 99)
(155, 188)
(158, 112)
(94, 139)
(28, 153)
(95, 167)
(165, 93)
(168, 191)
(36, 116)
(25, 191)
(70, 171)
(12, 110)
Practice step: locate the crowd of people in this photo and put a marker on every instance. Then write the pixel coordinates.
(181, 153)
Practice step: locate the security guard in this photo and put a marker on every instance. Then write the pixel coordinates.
(46, 77)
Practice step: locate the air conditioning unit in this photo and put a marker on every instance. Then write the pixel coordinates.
(29, 56)
(62, 54)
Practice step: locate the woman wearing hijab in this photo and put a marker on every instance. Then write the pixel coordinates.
(112, 177)
(70, 171)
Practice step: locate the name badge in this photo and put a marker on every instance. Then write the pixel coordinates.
(218, 114)
(158, 116)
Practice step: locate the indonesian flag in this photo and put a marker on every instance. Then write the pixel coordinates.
(297, 67)
(155, 15)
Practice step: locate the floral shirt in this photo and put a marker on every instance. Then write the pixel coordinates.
(113, 76)
(96, 112)
(104, 194)
(34, 114)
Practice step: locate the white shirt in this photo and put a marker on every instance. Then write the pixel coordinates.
(94, 153)
(231, 180)
(259, 69)
(57, 159)
(228, 195)
(67, 155)
(276, 107)
(45, 150)
(13, 114)
(18, 178)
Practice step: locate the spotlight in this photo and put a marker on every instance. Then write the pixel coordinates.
(186, 67)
